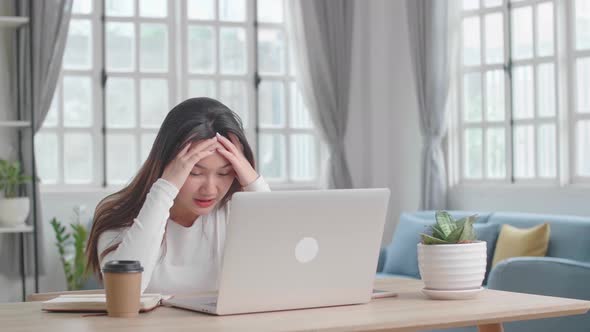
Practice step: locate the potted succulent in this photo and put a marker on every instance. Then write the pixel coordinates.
(14, 210)
(451, 260)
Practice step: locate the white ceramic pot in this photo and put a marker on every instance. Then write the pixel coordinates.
(14, 211)
(452, 267)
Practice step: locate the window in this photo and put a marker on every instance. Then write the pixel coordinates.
(139, 64)
(289, 145)
(122, 74)
(581, 108)
(514, 102)
(68, 146)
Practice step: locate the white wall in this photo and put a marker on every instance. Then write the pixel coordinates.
(384, 140)
(383, 136)
(571, 200)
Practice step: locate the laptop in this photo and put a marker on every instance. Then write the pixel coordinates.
(297, 249)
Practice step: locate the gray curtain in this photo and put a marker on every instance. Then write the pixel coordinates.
(38, 72)
(321, 34)
(430, 53)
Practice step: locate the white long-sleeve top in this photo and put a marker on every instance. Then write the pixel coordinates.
(192, 255)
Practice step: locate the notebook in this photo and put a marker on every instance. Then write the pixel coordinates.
(96, 303)
(148, 302)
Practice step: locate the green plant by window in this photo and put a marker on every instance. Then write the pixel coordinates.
(71, 248)
(11, 178)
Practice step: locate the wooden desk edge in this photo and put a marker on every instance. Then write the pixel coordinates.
(484, 325)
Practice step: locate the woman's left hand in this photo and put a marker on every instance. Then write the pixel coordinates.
(244, 171)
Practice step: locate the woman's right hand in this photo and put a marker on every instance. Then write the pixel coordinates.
(180, 167)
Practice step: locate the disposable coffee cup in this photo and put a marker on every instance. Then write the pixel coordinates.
(122, 283)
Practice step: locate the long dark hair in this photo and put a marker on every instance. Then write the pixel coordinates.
(190, 121)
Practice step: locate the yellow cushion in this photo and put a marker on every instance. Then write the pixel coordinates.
(516, 242)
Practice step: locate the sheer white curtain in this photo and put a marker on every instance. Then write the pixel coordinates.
(321, 35)
(432, 47)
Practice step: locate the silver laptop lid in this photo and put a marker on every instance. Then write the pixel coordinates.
(300, 249)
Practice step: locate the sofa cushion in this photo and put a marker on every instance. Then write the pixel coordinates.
(517, 242)
(402, 256)
(402, 253)
(488, 233)
(569, 234)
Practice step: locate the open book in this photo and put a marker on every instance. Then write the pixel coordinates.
(95, 303)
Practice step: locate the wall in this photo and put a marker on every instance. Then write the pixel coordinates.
(571, 200)
(384, 141)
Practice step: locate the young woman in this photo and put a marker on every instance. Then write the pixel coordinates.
(172, 216)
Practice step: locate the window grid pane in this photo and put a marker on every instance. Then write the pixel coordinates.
(120, 103)
(78, 158)
(154, 102)
(583, 148)
(46, 151)
(121, 158)
(234, 96)
(524, 151)
(303, 153)
(141, 67)
(78, 101)
(547, 151)
(546, 103)
(473, 154)
(78, 52)
(521, 112)
(495, 102)
(522, 33)
(472, 97)
(271, 52)
(471, 41)
(272, 156)
(523, 92)
(201, 49)
(545, 29)
(271, 102)
(582, 17)
(494, 38)
(583, 85)
(120, 44)
(496, 153)
(153, 55)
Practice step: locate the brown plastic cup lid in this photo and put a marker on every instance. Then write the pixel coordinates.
(122, 267)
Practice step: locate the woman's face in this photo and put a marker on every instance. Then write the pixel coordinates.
(206, 185)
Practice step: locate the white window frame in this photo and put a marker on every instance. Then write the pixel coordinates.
(217, 76)
(96, 91)
(288, 130)
(178, 79)
(574, 117)
(137, 75)
(457, 126)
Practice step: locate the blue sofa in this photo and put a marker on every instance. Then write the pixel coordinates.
(564, 272)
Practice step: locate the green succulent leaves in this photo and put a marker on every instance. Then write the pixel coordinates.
(446, 230)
